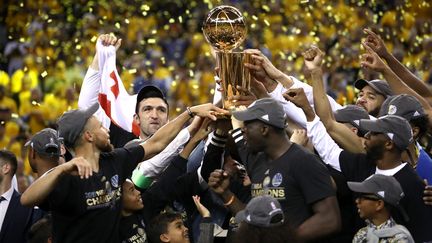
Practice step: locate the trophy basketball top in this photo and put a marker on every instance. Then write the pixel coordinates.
(224, 28)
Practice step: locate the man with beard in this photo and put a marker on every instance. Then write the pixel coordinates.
(387, 138)
(372, 94)
(87, 208)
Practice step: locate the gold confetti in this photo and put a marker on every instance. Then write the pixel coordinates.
(44, 74)
(151, 41)
(132, 71)
(117, 25)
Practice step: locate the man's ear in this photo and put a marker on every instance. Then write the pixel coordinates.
(88, 136)
(380, 205)
(136, 119)
(164, 238)
(415, 131)
(355, 130)
(389, 145)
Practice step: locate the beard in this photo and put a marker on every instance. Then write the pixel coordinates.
(108, 147)
(375, 152)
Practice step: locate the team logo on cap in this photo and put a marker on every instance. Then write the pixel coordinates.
(277, 179)
(392, 110)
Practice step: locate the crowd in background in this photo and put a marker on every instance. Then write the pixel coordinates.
(46, 47)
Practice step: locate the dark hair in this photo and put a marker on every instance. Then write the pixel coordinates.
(159, 225)
(422, 123)
(9, 158)
(247, 233)
(149, 94)
(40, 231)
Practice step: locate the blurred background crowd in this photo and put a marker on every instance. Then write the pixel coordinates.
(46, 47)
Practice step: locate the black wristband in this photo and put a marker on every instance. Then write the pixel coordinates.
(191, 114)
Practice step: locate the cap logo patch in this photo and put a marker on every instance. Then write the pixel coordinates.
(392, 110)
(381, 193)
(357, 122)
(265, 117)
(416, 113)
(390, 135)
(272, 204)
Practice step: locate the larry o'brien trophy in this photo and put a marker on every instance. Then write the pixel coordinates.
(225, 29)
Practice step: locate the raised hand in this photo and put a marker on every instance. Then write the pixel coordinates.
(107, 40)
(208, 110)
(204, 130)
(297, 96)
(375, 43)
(205, 213)
(219, 181)
(299, 137)
(263, 65)
(371, 60)
(313, 58)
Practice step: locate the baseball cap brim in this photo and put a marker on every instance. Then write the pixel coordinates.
(245, 115)
(371, 126)
(240, 216)
(91, 110)
(358, 187)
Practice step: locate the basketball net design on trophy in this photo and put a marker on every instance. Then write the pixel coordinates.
(225, 29)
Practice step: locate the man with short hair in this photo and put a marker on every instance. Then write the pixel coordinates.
(15, 219)
(372, 94)
(82, 205)
(289, 173)
(45, 150)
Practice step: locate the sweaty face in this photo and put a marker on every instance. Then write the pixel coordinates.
(177, 232)
(370, 100)
(152, 114)
(131, 197)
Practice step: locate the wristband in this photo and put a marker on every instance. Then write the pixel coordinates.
(191, 114)
(230, 201)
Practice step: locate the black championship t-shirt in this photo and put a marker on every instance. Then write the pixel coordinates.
(132, 229)
(297, 179)
(88, 210)
(356, 167)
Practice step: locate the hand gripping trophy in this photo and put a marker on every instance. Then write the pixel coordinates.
(225, 29)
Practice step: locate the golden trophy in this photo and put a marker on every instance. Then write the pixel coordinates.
(225, 29)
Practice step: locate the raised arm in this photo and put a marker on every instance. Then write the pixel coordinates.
(326, 147)
(377, 44)
(371, 60)
(166, 134)
(338, 131)
(40, 189)
(92, 80)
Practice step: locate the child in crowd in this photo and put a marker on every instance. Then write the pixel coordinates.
(378, 196)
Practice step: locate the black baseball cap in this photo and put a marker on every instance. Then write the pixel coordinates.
(384, 187)
(71, 123)
(262, 211)
(266, 110)
(46, 142)
(395, 127)
(149, 91)
(404, 105)
(380, 86)
(350, 113)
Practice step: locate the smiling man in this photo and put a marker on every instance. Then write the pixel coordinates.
(372, 94)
